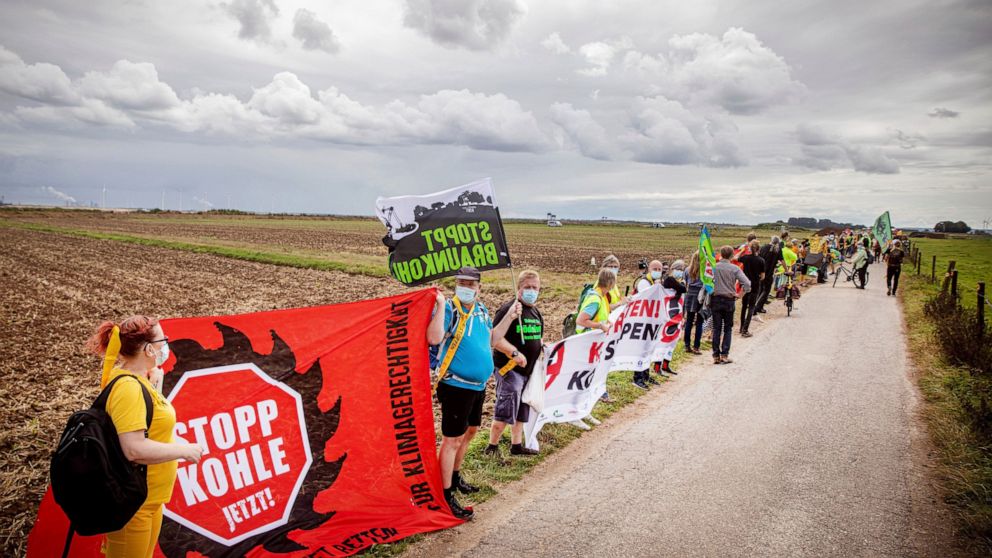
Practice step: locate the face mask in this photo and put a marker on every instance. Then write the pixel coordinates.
(465, 294)
(678, 274)
(529, 296)
(614, 270)
(163, 355)
(656, 275)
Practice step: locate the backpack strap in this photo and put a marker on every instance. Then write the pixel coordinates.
(101, 400)
(456, 339)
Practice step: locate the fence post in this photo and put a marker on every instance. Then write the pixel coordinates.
(954, 286)
(981, 309)
(919, 258)
(947, 278)
(933, 271)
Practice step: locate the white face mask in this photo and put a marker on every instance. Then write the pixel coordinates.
(465, 294)
(163, 354)
(614, 270)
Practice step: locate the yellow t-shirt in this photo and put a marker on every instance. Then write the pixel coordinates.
(126, 406)
(614, 295)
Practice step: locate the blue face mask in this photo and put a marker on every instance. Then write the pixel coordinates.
(163, 355)
(614, 270)
(529, 296)
(656, 275)
(465, 294)
(678, 274)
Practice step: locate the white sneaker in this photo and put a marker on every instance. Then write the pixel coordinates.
(580, 425)
(595, 421)
(759, 319)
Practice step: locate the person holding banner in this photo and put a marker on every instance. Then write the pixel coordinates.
(466, 364)
(137, 347)
(595, 313)
(515, 355)
(612, 264)
(726, 275)
(675, 281)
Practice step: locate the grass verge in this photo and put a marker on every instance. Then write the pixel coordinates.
(965, 456)
(493, 474)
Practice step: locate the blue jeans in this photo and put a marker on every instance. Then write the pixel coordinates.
(723, 324)
(693, 318)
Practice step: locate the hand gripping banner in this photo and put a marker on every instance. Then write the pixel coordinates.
(432, 236)
(318, 429)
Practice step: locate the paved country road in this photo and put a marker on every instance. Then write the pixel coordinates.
(809, 444)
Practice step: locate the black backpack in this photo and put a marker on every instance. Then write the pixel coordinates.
(96, 486)
(568, 325)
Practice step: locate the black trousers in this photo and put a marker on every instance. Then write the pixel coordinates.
(723, 324)
(892, 277)
(693, 319)
(747, 306)
(765, 290)
(863, 274)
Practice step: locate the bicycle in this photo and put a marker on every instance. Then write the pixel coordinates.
(852, 275)
(788, 293)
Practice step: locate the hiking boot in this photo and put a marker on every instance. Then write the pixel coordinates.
(639, 383)
(717, 360)
(459, 484)
(491, 450)
(456, 509)
(652, 381)
(696, 351)
(746, 334)
(519, 449)
(726, 360)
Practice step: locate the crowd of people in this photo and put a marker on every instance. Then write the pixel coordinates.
(469, 345)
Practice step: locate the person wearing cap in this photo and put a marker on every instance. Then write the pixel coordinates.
(515, 355)
(466, 363)
(726, 275)
(894, 267)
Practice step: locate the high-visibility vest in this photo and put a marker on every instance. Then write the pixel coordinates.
(602, 313)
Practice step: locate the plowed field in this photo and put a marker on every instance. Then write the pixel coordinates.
(57, 288)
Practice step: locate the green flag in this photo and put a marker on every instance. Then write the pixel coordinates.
(706, 259)
(882, 229)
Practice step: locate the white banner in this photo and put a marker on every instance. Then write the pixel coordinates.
(574, 369)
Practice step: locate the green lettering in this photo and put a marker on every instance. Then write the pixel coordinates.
(401, 271)
(416, 271)
(484, 231)
(478, 253)
(451, 231)
(427, 237)
(453, 259)
(475, 231)
(440, 262)
(439, 237)
(428, 265)
(491, 257)
(463, 235)
(467, 257)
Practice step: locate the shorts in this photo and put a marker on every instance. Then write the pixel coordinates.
(460, 408)
(509, 408)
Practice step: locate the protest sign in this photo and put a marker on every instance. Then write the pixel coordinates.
(882, 230)
(432, 236)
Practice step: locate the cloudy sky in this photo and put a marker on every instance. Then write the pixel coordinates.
(658, 109)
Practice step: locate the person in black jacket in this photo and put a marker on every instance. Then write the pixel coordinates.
(754, 269)
(771, 253)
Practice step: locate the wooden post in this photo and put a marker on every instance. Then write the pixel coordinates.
(947, 278)
(954, 285)
(981, 309)
(919, 260)
(933, 271)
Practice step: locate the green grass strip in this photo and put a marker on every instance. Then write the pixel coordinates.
(287, 260)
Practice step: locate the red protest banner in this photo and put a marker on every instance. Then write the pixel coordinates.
(318, 428)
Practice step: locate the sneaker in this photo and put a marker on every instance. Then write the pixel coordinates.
(491, 451)
(580, 425)
(638, 383)
(759, 319)
(456, 509)
(746, 334)
(519, 449)
(726, 360)
(717, 360)
(696, 351)
(650, 379)
(464, 487)
(762, 311)
(605, 398)
(595, 421)
(888, 293)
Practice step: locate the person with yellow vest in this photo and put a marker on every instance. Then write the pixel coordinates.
(595, 309)
(137, 348)
(612, 264)
(466, 363)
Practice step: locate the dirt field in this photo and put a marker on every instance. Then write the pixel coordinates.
(57, 288)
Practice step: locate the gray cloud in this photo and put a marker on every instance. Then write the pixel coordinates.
(555, 44)
(589, 136)
(824, 151)
(254, 16)
(313, 33)
(42, 82)
(665, 132)
(941, 112)
(470, 24)
(907, 141)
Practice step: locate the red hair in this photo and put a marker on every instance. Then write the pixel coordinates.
(135, 332)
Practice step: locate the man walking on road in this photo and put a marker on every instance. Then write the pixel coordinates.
(894, 268)
(726, 275)
(514, 356)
